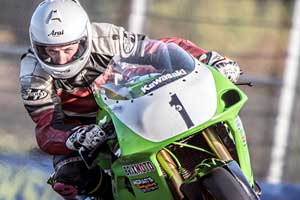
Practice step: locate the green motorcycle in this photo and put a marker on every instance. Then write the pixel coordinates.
(178, 133)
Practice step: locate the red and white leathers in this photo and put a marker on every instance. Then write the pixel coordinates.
(58, 105)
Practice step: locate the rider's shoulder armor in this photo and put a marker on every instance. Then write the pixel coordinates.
(111, 40)
(36, 83)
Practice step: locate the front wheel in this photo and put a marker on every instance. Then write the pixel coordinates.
(221, 185)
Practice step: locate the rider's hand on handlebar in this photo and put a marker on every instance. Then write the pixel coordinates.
(87, 136)
(225, 66)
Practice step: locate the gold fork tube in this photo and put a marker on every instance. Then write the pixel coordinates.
(216, 144)
(170, 168)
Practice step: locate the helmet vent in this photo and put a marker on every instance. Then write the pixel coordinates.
(54, 16)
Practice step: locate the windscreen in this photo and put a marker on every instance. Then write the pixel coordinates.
(156, 65)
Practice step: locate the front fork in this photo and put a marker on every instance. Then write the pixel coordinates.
(219, 149)
(239, 137)
(216, 144)
(170, 167)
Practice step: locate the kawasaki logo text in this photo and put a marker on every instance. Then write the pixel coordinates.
(161, 79)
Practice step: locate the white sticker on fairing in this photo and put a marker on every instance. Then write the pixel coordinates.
(171, 109)
(146, 184)
(241, 130)
(138, 168)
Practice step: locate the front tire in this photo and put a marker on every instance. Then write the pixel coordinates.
(221, 185)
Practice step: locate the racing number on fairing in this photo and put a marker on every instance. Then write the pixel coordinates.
(179, 107)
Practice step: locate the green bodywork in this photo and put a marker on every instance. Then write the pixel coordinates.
(138, 150)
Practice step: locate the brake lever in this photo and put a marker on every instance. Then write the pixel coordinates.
(250, 84)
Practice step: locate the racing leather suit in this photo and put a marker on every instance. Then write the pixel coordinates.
(58, 105)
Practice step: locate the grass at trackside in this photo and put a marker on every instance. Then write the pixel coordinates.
(254, 34)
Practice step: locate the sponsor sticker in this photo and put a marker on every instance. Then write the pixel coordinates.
(145, 184)
(240, 128)
(138, 168)
(54, 33)
(33, 94)
(152, 85)
(128, 42)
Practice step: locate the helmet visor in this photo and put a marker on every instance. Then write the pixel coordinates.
(61, 54)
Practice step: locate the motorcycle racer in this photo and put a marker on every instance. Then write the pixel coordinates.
(67, 53)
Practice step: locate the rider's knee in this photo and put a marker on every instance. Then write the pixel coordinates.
(71, 177)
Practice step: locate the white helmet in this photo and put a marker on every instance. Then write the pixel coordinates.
(60, 23)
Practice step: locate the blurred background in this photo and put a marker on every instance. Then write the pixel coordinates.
(258, 34)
